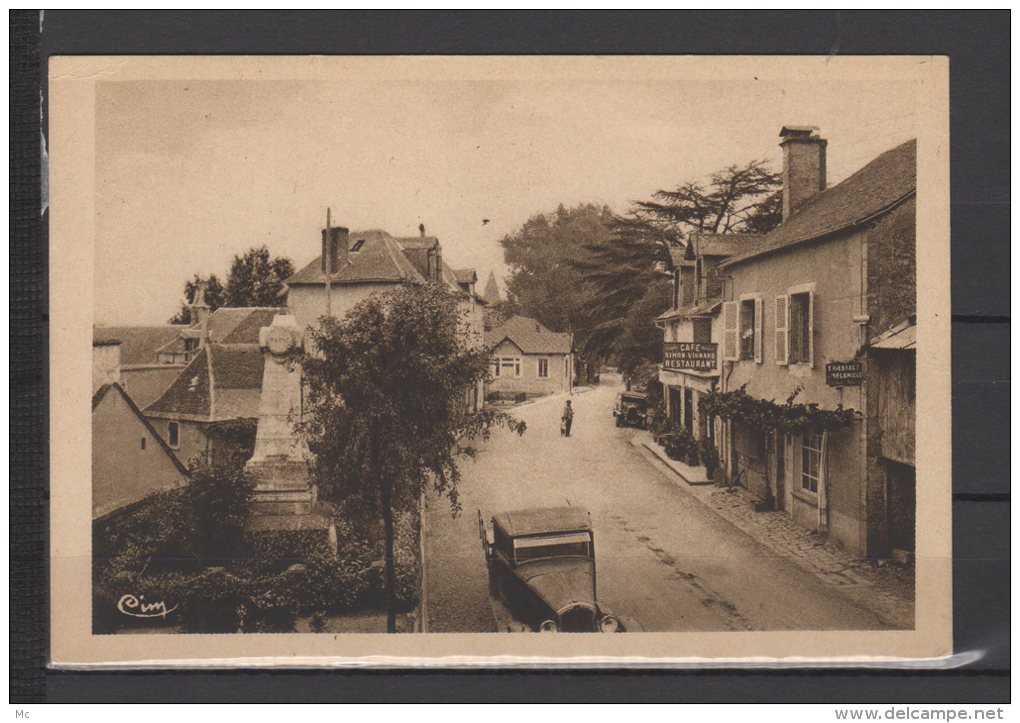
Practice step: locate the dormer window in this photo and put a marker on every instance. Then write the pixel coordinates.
(357, 245)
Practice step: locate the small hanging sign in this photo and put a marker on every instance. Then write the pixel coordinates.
(844, 374)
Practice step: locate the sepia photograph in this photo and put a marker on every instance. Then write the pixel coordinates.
(382, 348)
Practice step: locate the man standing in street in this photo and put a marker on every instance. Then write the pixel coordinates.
(567, 419)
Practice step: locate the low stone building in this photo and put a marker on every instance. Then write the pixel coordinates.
(528, 359)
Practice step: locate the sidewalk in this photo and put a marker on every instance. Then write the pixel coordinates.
(887, 590)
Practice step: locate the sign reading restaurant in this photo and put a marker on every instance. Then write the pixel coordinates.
(844, 374)
(690, 356)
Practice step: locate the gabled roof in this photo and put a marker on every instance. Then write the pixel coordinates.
(720, 244)
(491, 293)
(879, 186)
(465, 276)
(381, 258)
(529, 336)
(677, 256)
(222, 382)
(115, 388)
(138, 344)
(229, 325)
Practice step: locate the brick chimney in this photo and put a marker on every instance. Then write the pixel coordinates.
(803, 166)
(335, 247)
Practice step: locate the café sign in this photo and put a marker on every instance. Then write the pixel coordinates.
(690, 356)
(844, 374)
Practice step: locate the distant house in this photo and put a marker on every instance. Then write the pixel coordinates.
(144, 373)
(528, 359)
(129, 458)
(211, 408)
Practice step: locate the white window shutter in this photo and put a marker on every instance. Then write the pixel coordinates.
(730, 350)
(811, 329)
(782, 330)
(759, 324)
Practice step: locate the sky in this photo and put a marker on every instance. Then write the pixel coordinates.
(191, 172)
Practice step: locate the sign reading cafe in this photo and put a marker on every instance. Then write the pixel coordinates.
(690, 356)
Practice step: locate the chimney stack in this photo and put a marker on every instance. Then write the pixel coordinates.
(335, 246)
(105, 363)
(421, 229)
(803, 166)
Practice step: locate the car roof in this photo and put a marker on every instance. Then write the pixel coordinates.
(640, 395)
(539, 520)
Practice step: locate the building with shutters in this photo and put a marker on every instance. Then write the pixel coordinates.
(823, 306)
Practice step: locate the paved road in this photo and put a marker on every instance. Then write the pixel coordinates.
(663, 557)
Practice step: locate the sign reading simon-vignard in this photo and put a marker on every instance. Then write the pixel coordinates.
(844, 374)
(690, 356)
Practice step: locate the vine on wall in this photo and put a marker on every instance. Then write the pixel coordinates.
(789, 417)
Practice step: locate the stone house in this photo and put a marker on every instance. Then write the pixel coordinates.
(691, 364)
(363, 263)
(823, 305)
(528, 359)
(130, 460)
(210, 410)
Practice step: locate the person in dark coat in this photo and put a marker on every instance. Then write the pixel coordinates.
(567, 418)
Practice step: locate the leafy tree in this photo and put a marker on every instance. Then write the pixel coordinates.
(255, 279)
(386, 413)
(214, 297)
(625, 269)
(543, 282)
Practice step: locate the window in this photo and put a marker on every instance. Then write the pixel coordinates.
(357, 245)
(143, 443)
(702, 331)
(495, 367)
(509, 366)
(800, 328)
(749, 327)
(576, 544)
(810, 462)
(543, 368)
(174, 434)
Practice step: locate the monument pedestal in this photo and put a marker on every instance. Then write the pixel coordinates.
(285, 500)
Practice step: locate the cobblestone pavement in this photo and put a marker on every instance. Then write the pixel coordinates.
(886, 589)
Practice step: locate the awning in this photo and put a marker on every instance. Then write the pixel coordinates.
(901, 336)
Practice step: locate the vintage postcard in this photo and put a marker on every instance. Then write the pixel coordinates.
(403, 360)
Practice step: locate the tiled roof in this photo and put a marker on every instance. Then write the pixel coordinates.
(900, 336)
(721, 244)
(381, 258)
(703, 309)
(529, 336)
(138, 344)
(677, 257)
(465, 276)
(223, 381)
(246, 331)
(880, 185)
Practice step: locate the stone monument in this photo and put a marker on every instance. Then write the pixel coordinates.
(280, 461)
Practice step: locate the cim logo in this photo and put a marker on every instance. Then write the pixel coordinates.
(136, 607)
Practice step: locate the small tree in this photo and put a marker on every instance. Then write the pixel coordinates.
(255, 279)
(388, 418)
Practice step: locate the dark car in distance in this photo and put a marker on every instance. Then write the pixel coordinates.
(541, 564)
(631, 409)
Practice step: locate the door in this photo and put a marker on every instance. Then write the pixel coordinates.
(901, 499)
(688, 410)
(674, 405)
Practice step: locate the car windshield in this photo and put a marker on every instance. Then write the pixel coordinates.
(574, 544)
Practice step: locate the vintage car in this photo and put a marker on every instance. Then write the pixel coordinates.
(631, 408)
(542, 571)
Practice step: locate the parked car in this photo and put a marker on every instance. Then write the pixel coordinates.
(542, 571)
(631, 408)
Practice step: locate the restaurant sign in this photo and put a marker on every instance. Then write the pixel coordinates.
(690, 356)
(844, 374)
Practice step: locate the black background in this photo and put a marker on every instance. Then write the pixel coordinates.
(978, 46)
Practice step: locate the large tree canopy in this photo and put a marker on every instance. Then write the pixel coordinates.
(603, 276)
(255, 279)
(387, 417)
